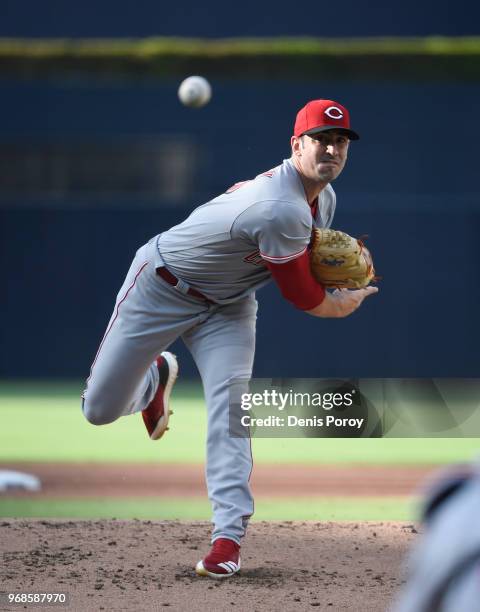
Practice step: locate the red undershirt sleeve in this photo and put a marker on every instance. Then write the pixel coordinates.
(296, 282)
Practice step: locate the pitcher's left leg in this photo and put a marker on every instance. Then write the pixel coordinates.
(223, 347)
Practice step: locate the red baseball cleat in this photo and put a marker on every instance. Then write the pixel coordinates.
(222, 561)
(156, 414)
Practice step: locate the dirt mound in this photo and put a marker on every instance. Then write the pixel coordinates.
(145, 565)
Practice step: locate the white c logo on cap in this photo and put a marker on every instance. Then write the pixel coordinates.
(334, 112)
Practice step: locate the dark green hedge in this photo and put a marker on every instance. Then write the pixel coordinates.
(433, 58)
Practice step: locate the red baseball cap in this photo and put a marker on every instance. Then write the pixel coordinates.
(322, 115)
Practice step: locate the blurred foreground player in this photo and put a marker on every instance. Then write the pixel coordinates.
(444, 567)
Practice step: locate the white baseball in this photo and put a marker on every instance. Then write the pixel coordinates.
(195, 91)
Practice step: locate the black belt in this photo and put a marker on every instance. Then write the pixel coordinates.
(173, 280)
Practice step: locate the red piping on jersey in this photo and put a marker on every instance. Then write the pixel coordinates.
(248, 516)
(251, 453)
(114, 319)
(283, 258)
(236, 186)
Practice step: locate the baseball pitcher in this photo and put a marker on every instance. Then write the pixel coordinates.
(197, 281)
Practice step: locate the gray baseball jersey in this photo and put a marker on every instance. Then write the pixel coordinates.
(219, 249)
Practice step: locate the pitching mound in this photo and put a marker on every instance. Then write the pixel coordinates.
(145, 565)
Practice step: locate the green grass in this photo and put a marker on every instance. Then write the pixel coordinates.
(43, 422)
(311, 509)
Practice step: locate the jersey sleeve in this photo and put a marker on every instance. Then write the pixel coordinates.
(281, 230)
(296, 282)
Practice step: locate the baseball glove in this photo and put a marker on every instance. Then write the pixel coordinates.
(338, 260)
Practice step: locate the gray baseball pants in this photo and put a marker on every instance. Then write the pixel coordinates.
(149, 315)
